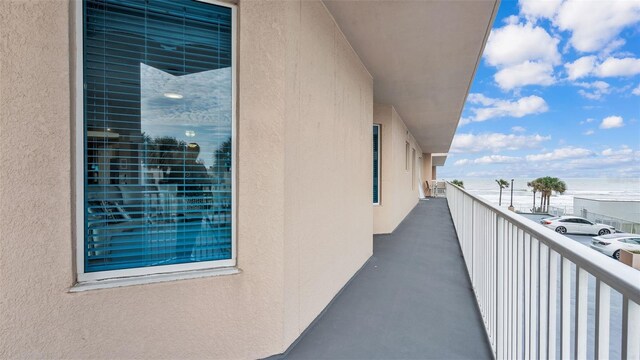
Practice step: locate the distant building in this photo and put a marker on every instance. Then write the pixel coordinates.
(621, 209)
(623, 214)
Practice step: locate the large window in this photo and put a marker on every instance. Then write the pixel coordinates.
(156, 138)
(376, 164)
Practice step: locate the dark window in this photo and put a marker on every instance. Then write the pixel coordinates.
(376, 164)
(157, 122)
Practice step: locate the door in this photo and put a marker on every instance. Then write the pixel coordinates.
(570, 224)
(586, 226)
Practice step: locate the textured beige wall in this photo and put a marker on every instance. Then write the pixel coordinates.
(327, 165)
(427, 169)
(399, 193)
(307, 207)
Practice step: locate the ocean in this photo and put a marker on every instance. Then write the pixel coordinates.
(620, 188)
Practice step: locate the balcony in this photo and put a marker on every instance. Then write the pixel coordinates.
(460, 278)
(413, 299)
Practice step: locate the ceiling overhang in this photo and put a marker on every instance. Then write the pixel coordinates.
(422, 56)
(438, 159)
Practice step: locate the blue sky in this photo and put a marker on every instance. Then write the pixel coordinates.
(557, 93)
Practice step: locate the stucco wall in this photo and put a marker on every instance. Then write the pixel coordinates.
(399, 191)
(304, 221)
(327, 165)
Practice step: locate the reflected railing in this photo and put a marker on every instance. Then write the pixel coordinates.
(541, 294)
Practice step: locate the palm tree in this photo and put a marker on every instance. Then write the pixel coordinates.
(546, 186)
(556, 185)
(458, 183)
(503, 185)
(534, 187)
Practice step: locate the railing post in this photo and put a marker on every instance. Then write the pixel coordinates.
(603, 307)
(500, 353)
(565, 310)
(630, 329)
(552, 306)
(581, 313)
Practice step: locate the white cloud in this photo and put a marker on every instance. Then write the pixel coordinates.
(611, 122)
(463, 121)
(467, 142)
(588, 132)
(623, 151)
(595, 24)
(527, 73)
(476, 98)
(618, 67)
(561, 153)
(494, 108)
(518, 129)
(533, 9)
(636, 91)
(489, 159)
(595, 90)
(511, 20)
(610, 67)
(581, 67)
(515, 44)
(612, 46)
(610, 158)
(496, 159)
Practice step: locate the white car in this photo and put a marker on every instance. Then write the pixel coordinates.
(612, 244)
(576, 225)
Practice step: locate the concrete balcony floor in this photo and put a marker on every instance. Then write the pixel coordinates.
(412, 300)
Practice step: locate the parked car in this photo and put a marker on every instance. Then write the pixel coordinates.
(576, 225)
(612, 244)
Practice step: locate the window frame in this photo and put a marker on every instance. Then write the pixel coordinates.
(379, 126)
(79, 156)
(406, 155)
(413, 168)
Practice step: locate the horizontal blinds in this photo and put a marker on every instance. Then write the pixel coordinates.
(157, 132)
(376, 163)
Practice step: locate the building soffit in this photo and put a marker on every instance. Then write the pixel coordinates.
(438, 159)
(422, 55)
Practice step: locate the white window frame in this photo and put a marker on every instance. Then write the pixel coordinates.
(379, 162)
(82, 276)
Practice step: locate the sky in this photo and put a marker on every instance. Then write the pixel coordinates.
(557, 93)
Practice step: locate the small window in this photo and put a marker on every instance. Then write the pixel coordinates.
(156, 137)
(376, 164)
(406, 156)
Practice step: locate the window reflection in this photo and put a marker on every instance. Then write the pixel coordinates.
(157, 133)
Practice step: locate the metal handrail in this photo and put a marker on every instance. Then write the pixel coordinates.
(519, 270)
(620, 277)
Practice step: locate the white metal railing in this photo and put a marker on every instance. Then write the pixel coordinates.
(533, 288)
